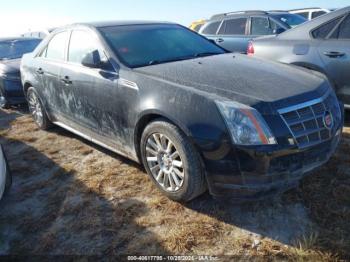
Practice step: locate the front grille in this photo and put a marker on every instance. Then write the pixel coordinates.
(306, 121)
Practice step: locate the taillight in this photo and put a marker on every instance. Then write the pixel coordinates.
(250, 49)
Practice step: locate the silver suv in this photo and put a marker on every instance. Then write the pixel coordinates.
(233, 30)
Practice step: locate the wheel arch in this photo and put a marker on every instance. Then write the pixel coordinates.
(147, 117)
(26, 86)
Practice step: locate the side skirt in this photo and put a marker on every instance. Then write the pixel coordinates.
(93, 140)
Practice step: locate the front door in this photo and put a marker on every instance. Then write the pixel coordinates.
(94, 99)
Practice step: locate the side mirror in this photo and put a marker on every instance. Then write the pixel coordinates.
(278, 31)
(92, 59)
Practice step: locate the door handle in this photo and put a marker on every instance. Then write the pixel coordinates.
(334, 54)
(219, 40)
(66, 80)
(40, 71)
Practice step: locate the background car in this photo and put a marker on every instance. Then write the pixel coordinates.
(233, 30)
(5, 175)
(196, 116)
(196, 26)
(38, 34)
(311, 12)
(323, 45)
(11, 52)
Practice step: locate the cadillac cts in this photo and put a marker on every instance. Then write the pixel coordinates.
(196, 116)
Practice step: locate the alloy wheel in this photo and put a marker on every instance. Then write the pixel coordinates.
(35, 108)
(164, 162)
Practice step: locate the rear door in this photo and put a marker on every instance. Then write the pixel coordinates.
(233, 34)
(335, 53)
(49, 65)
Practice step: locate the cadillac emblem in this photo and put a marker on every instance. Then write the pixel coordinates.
(328, 120)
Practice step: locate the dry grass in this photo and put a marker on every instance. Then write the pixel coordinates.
(71, 197)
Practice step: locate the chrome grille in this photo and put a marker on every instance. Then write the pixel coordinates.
(306, 121)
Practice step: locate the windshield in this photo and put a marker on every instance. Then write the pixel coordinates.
(291, 20)
(142, 45)
(12, 49)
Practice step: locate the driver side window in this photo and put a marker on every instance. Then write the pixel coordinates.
(81, 43)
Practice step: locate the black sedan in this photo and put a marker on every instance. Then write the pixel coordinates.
(195, 116)
(11, 52)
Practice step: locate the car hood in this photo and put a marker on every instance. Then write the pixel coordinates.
(10, 66)
(236, 77)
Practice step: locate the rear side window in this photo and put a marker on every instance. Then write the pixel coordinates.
(56, 47)
(81, 43)
(235, 26)
(324, 30)
(211, 28)
(343, 31)
(260, 26)
(317, 14)
(304, 14)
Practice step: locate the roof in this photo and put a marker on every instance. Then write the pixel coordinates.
(306, 8)
(247, 12)
(19, 38)
(121, 23)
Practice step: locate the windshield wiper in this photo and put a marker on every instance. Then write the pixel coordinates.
(206, 54)
(156, 62)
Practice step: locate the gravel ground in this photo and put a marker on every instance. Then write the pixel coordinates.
(70, 197)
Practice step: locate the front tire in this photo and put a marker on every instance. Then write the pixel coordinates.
(37, 109)
(172, 161)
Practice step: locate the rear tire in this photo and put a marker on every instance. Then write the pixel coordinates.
(37, 109)
(171, 161)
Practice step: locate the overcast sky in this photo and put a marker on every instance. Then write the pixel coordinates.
(23, 15)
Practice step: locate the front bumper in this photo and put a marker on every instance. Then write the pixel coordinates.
(270, 172)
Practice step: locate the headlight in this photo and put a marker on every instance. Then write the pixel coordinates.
(246, 125)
